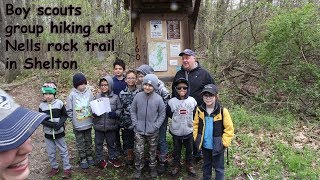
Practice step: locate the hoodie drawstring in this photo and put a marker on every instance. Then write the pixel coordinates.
(51, 120)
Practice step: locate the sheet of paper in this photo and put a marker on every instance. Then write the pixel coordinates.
(156, 29)
(174, 62)
(175, 50)
(157, 53)
(100, 106)
(173, 29)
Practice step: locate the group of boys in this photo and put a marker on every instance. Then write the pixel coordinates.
(140, 106)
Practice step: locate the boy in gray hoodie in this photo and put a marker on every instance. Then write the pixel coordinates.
(147, 114)
(78, 109)
(180, 109)
(106, 125)
(142, 71)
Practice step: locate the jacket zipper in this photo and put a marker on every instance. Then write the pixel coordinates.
(54, 137)
(145, 119)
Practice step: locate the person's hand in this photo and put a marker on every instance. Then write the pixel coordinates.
(112, 115)
(94, 115)
(58, 127)
(131, 127)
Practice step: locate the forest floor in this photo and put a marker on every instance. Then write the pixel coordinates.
(272, 151)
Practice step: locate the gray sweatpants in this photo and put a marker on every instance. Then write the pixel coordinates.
(52, 145)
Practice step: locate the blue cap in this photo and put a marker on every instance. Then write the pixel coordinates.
(188, 52)
(16, 123)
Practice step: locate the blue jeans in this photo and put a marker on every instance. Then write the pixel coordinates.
(162, 144)
(210, 161)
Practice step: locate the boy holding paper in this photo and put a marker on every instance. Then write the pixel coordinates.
(106, 125)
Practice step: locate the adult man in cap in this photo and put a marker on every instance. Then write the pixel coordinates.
(16, 126)
(197, 77)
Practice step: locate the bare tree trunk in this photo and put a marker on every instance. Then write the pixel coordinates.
(10, 74)
(2, 37)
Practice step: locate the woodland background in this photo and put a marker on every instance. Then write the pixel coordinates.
(264, 55)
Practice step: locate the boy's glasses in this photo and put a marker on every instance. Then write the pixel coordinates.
(131, 78)
(183, 87)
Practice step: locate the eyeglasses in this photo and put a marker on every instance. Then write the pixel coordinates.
(131, 78)
(105, 85)
(183, 87)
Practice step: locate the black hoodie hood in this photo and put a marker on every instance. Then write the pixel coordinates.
(181, 80)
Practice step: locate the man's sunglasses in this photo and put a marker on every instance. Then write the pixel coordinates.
(183, 87)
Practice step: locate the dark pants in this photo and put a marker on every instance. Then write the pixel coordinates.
(84, 142)
(210, 161)
(117, 140)
(127, 139)
(195, 151)
(177, 147)
(110, 137)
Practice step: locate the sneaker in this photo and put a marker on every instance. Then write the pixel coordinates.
(197, 159)
(191, 170)
(53, 172)
(90, 160)
(103, 164)
(137, 174)
(114, 162)
(161, 167)
(84, 164)
(175, 170)
(67, 173)
(153, 172)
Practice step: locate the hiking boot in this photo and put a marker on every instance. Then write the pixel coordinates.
(153, 172)
(137, 174)
(103, 164)
(67, 173)
(175, 170)
(114, 162)
(90, 160)
(161, 167)
(191, 170)
(84, 163)
(129, 158)
(53, 172)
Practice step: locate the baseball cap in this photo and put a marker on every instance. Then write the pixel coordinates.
(210, 88)
(188, 52)
(16, 123)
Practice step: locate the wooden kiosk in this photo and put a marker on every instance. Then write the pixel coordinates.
(162, 29)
